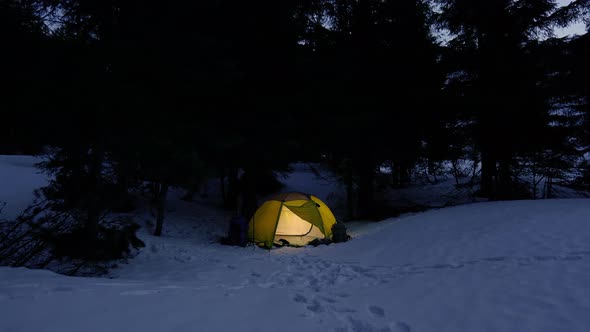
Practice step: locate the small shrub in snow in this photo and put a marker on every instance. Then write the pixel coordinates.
(45, 236)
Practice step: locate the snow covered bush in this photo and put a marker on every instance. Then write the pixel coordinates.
(46, 237)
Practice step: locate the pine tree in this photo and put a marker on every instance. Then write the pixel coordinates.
(503, 84)
(372, 61)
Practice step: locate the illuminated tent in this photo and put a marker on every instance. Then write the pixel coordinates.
(295, 217)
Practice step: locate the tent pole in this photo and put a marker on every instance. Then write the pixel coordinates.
(277, 222)
(254, 230)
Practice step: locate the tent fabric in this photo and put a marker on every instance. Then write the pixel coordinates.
(291, 196)
(295, 217)
(308, 212)
(263, 224)
(327, 216)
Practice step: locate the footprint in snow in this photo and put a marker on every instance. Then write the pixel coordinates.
(377, 311)
(358, 325)
(400, 327)
(359, 269)
(445, 266)
(154, 248)
(327, 299)
(315, 307)
(289, 281)
(300, 298)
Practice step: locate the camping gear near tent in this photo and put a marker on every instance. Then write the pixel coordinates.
(294, 217)
(339, 233)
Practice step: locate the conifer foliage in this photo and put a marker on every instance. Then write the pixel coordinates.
(132, 97)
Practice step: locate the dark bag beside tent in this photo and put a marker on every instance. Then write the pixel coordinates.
(339, 233)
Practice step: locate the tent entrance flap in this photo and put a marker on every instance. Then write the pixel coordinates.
(291, 224)
(308, 211)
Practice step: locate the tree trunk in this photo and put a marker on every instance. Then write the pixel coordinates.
(366, 199)
(222, 187)
(454, 164)
(160, 199)
(94, 192)
(405, 173)
(394, 174)
(248, 193)
(488, 172)
(534, 182)
(505, 185)
(230, 199)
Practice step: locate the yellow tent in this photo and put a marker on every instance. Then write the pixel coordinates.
(295, 217)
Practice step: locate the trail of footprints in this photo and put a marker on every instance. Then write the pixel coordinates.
(346, 318)
(310, 274)
(317, 274)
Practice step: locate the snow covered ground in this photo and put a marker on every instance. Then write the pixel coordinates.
(499, 266)
(18, 179)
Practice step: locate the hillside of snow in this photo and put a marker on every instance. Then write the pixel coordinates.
(497, 266)
(18, 179)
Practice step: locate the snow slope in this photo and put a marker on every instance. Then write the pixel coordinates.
(499, 266)
(18, 179)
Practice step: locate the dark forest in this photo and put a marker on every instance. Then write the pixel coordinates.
(124, 96)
